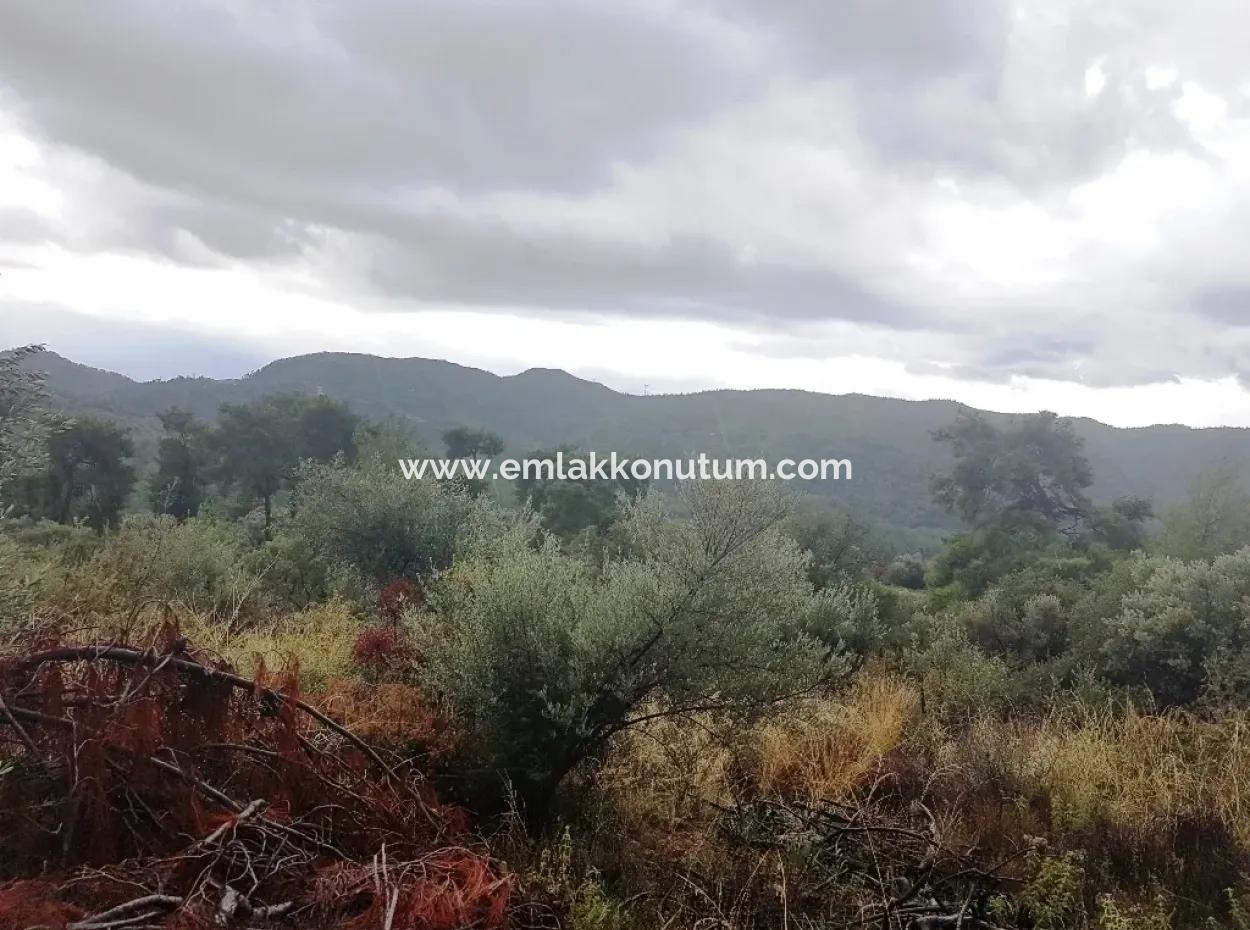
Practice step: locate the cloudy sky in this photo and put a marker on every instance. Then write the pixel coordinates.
(1022, 205)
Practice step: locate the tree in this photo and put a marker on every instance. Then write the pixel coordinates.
(546, 657)
(465, 442)
(369, 527)
(326, 427)
(1021, 490)
(177, 487)
(1214, 519)
(1121, 526)
(842, 546)
(1032, 473)
(568, 506)
(87, 477)
(259, 445)
(24, 420)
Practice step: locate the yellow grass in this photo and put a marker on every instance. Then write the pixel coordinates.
(1142, 773)
(827, 749)
(319, 640)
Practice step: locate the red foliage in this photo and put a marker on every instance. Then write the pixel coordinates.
(382, 649)
(160, 769)
(32, 903)
(398, 596)
(445, 890)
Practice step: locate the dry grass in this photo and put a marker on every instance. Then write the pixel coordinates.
(1138, 773)
(318, 641)
(1146, 801)
(827, 749)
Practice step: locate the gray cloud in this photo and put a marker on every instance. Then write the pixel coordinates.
(768, 166)
(1224, 303)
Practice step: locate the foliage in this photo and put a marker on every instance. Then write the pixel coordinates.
(197, 565)
(1025, 616)
(1122, 525)
(24, 417)
(367, 527)
(571, 505)
(958, 681)
(87, 477)
(465, 442)
(382, 650)
(842, 545)
(21, 575)
(845, 618)
(1213, 520)
(259, 445)
(177, 487)
(1175, 623)
(546, 659)
(1032, 472)
(398, 597)
(1054, 897)
(906, 571)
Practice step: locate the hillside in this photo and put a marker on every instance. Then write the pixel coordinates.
(888, 440)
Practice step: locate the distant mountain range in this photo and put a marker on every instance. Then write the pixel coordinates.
(889, 441)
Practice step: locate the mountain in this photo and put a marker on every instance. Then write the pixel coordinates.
(889, 441)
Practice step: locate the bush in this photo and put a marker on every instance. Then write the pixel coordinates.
(1180, 619)
(545, 658)
(845, 617)
(197, 565)
(367, 526)
(382, 650)
(958, 681)
(906, 571)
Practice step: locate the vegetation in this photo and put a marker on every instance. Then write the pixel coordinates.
(890, 441)
(274, 684)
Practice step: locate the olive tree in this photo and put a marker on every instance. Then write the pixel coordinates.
(1179, 619)
(369, 525)
(545, 657)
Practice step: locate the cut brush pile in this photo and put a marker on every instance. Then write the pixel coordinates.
(152, 786)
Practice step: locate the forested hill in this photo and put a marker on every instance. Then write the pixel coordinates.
(888, 440)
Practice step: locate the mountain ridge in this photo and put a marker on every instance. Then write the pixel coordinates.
(888, 440)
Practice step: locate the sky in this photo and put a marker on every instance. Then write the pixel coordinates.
(1020, 205)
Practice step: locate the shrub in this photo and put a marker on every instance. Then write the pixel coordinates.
(382, 650)
(397, 597)
(546, 658)
(906, 571)
(1054, 897)
(1179, 620)
(958, 681)
(845, 617)
(367, 526)
(197, 565)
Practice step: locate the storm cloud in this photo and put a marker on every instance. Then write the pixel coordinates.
(992, 190)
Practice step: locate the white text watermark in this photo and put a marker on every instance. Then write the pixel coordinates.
(612, 467)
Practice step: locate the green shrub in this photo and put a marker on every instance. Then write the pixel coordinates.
(545, 657)
(958, 680)
(367, 526)
(1181, 618)
(198, 565)
(1054, 897)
